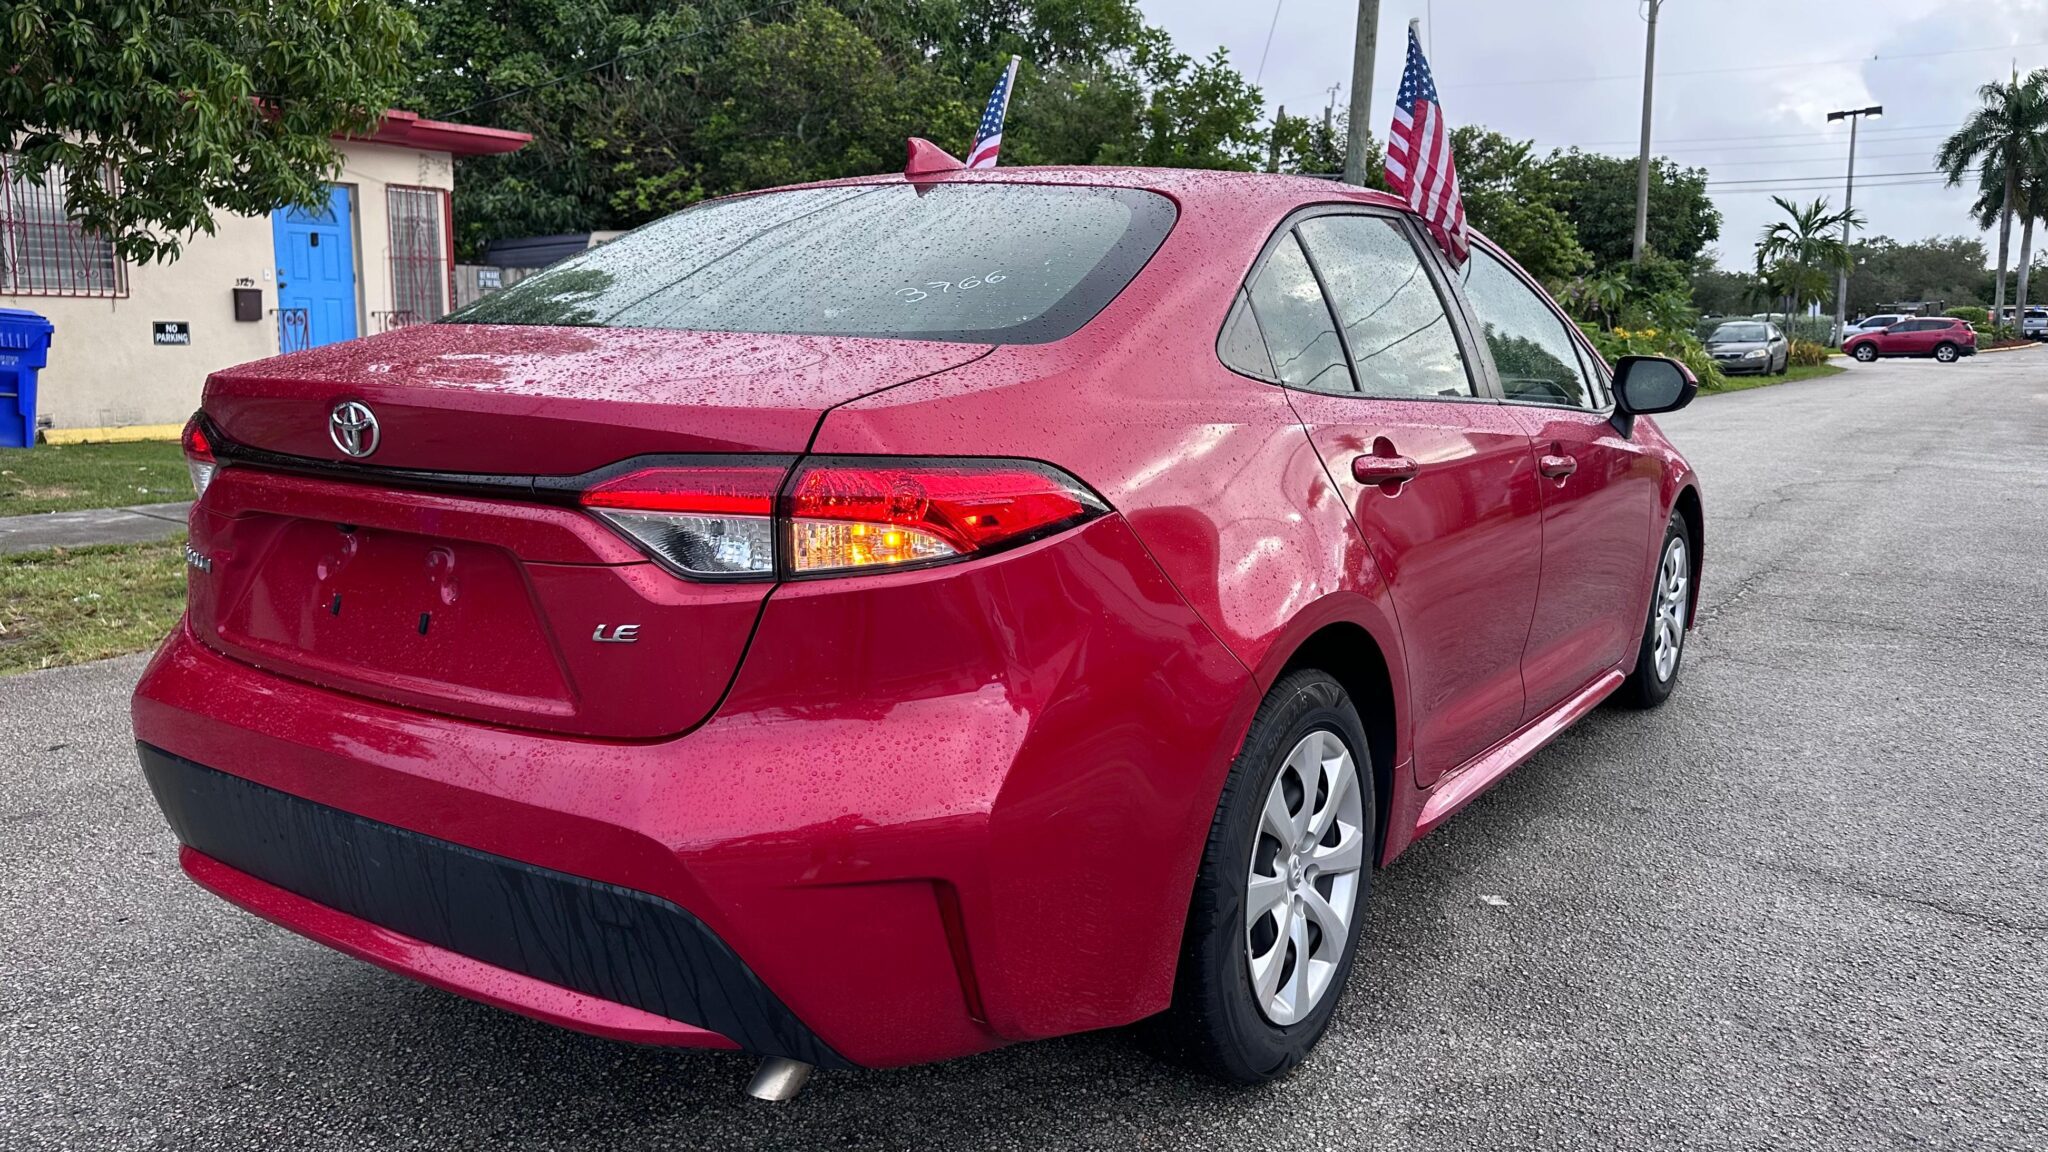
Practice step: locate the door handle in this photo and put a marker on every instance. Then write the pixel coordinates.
(1383, 469)
(1557, 467)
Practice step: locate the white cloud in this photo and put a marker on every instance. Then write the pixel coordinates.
(1565, 72)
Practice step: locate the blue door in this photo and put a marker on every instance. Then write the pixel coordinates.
(316, 273)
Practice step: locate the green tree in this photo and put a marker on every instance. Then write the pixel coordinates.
(2003, 139)
(153, 115)
(1884, 270)
(2029, 192)
(1511, 196)
(1198, 114)
(1802, 253)
(639, 107)
(1718, 292)
(808, 99)
(1313, 146)
(1598, 195)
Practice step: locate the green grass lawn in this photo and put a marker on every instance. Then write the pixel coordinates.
(1796, 372)
(66, 477)
(70, 605)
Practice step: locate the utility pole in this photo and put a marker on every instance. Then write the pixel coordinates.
(1273, 146)
(1855, 117)
(1643, 158)
(1362, 50)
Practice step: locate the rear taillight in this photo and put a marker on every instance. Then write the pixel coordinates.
(836, 515)
(861, 513)
(199, 459)
(712, 521)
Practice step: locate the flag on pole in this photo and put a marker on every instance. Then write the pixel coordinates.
(1419, 166)
(988, 139)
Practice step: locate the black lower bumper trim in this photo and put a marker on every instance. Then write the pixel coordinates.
(611, 942)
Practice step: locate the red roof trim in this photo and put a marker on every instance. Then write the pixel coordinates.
(404, 129)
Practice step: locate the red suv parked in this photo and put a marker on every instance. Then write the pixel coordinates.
(876, 622)
(1941, 337)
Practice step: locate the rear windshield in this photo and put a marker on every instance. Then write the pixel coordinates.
(982, 263)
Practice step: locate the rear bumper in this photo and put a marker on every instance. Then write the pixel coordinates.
(901, 827)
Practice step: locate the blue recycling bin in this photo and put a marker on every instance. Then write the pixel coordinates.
(24, 349)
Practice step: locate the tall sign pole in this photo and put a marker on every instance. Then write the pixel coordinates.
(1855, 117)
(1362, 51)
(1643, 158)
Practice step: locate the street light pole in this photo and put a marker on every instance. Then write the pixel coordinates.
(1643, 158)
(1362, 50)
(1855, 117)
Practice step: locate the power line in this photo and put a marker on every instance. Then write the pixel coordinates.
(665, 42)
(1781, 160)
(1832, 186)
(1733, 141)
(1718, 149)
(1261, 73)
(1739, 68)
(1786, 179)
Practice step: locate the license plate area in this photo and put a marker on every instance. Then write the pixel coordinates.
(397, 613)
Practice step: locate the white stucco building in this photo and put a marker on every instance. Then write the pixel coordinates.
(134, 343)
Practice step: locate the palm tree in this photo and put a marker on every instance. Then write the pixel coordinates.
(1803, 252)
(2031, 204)
(2006, 134)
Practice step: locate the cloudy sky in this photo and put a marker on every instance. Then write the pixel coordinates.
(1743, 89)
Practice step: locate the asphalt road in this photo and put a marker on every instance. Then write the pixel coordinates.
(1804, 905)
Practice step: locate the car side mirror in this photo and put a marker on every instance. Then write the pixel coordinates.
(1644, 385)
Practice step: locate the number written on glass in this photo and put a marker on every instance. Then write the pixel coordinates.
(933, 288)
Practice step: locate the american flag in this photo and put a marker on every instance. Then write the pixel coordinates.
(988, 139)
(1419, 166)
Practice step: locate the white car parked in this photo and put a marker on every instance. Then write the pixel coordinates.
(1871, 324)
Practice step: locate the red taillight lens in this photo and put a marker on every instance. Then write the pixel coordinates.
(719, 520)
(854, 513)
(709, 521)
(199, 459)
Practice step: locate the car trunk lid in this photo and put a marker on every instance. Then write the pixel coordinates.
(473, 591)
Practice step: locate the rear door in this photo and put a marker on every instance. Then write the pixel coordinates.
(1438, 476)
(1600, 491)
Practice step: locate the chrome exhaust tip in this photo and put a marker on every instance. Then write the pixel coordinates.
(778, 1079)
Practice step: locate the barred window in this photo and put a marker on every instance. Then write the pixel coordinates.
(43, 252)
(419, 255)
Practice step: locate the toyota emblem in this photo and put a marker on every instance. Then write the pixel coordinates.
(353, 428)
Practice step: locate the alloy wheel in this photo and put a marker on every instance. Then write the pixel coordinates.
(1866, 353)
(1674, 580)
(1945, 354)
(1303, 888)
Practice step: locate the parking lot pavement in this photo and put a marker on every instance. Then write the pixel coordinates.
(1805, 905)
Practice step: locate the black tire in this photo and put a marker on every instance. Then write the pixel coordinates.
(1215, 1024)
(1644, 688)
(1865, 353)
(1946, 353)
(1784, 366)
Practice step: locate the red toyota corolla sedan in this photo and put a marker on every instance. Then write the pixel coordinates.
(876, 622)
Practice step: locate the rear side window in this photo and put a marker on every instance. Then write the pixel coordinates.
(994, 263)
(1400, 338)
(1533, 352)
(1300, 337)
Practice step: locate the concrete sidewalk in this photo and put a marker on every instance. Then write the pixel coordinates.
(132, 525)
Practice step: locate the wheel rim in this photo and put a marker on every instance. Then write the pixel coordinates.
(1866, 354)
(1302, 892)
(1667, 625)
(1944, 354)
